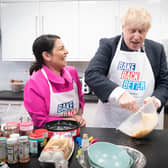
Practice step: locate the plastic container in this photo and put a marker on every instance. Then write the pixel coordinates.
(85, 142)
(24, 149)
(140, 123)
(12, 150)
(44, 132)
(3, 152)
(36, 143)
(14, 123)
(26, 128)
(15, 135)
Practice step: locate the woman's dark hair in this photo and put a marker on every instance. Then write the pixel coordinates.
(41, 44)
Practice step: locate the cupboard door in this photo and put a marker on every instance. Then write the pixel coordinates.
(97, 19)
(19, 28)
(61, 18)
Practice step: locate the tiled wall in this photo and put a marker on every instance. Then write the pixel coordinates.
(17, 70)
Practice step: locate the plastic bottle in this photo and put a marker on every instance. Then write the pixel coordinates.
(85, 142)
(24, 149)
(12, 150)
(36, 143)
(85, 145)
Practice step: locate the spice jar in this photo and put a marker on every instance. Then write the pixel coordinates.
(26, 128)
(3, 152)
(10, 129)
(12, 150)
(14, 123)
(36, 143)
(16, 135)
(24, 149)
(44, 132)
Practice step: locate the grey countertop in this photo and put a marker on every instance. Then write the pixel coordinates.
(10, 95)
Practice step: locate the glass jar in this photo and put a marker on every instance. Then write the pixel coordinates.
(26, 128)
(24, 149)
(10, 129)
(3, 151)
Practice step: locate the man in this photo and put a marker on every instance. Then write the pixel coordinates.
(128, 71)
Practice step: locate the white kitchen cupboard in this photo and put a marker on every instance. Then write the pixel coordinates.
(61, 18)
(97, 19)
(19, 27)
(11, 110)
(79, 23)
(22, 22)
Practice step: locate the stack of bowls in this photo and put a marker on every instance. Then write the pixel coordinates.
(108, 155)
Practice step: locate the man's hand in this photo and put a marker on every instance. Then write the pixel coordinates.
(127, 101)
(153, 98)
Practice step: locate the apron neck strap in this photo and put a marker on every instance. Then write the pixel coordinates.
(45, 75)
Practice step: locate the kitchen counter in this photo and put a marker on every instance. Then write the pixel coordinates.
(154, 147)
(9, 95)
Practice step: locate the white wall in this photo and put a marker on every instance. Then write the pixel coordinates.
(16, 70)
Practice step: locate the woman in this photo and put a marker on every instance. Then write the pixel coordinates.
(127, 71)
(53, 91)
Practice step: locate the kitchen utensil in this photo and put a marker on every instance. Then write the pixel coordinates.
(63, 126)
(140, 123)
(139, 159)
(108, 155)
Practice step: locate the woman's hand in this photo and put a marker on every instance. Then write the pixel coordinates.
(127, 101)
(78, 118)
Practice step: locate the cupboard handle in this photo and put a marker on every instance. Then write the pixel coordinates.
(42, 24)
(36, 20)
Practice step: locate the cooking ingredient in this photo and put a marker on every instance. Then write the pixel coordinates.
(36, 142)
(26, 128)
(24, 149)
(58, 145)
(146, 125)
(44, 132)
(3, 151)
(12, 150)
(85, 142)
(10, 129)
(85, 145)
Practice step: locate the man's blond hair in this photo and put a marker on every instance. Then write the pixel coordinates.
(137, 17)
